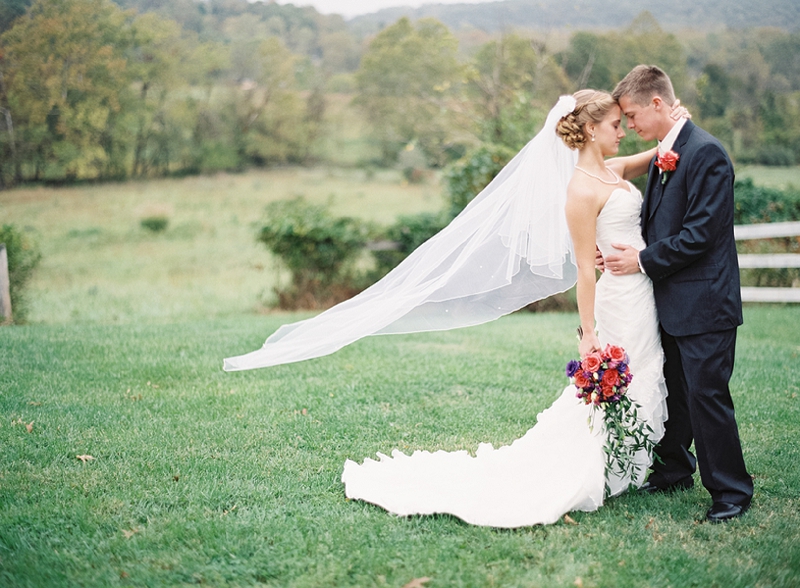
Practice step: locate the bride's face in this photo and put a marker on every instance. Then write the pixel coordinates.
(609, 132)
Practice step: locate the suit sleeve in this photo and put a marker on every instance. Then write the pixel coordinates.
(708, 214)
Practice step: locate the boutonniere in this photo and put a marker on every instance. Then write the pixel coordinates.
(667, 163)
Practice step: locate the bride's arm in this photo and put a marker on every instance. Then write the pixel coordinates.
(582, 209)
(632, 166)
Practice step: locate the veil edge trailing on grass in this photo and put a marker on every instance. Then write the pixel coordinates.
(509, 247)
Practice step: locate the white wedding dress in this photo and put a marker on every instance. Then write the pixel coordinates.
(558, 466)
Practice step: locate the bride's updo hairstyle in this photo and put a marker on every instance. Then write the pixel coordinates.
(590, 106)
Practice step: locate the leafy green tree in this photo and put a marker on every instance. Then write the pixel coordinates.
(209, 111)
(473, 172)
(713, 91)
(513, 83)
(644, 41)
(155, 63)
(65, 76)
(758, 72)
(599, 61)
(782, 53)
(340, 52)
(10, 10)
(407, 86)
(778, 114)
(270, 112)
(10, 163)
(589, 60)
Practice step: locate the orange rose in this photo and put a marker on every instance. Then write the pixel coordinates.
(591, 363)
(668, 161)
(581, 381)
(616, 354)
(607, 390)
(610, 378)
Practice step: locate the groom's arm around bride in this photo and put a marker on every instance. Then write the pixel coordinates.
(687, 224)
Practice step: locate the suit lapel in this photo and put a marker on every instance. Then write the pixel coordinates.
(655, 189)
(650, 194)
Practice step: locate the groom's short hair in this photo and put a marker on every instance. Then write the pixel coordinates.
(642, 83)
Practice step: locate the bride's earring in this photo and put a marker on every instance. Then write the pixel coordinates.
(592, 137)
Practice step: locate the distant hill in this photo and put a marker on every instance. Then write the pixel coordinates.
(594, 14)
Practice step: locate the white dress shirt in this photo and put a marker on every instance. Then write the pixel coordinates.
(669, 140)
(663, 146)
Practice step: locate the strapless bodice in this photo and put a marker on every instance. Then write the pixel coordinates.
(618, 222)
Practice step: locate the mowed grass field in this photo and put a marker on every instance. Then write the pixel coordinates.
(771, 177)
(130, 459)
(191, 476)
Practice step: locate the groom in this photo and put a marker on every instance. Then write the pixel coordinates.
(687, 223)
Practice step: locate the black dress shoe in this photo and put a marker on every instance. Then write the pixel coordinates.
(651, 488)
(724, 511)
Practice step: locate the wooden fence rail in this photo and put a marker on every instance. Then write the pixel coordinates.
(768, 260)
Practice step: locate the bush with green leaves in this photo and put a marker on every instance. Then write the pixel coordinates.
(405, 235)
(470, 174)
(318, 249)
(757, 204)
(23, 257)
(155, 224)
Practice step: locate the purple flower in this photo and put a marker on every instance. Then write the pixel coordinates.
(572, 368)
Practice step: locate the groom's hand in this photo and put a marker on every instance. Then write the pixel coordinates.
(625, 262)
(599, 262)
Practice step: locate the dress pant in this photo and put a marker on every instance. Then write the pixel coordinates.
(697, 371)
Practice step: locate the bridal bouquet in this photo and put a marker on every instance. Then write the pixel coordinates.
(602, 380)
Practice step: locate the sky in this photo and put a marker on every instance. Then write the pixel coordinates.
(349, 8)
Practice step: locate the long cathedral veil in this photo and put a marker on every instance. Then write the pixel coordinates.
(509, 247)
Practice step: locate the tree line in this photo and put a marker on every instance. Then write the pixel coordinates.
(90, 90)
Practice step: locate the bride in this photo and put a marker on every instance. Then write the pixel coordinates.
(512, 245)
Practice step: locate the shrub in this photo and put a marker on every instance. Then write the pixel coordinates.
(23, 257)
(317, 248)
(756, 204)
(562, 302)
(155, 224)
(414, 175)
(469, 175)
(406, 234)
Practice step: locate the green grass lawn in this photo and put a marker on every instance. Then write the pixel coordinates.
(203, 477)
(772, 177)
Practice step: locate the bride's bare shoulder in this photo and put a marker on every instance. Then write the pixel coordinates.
(581, 192)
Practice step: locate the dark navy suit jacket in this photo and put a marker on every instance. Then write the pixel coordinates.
(687, 224)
